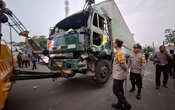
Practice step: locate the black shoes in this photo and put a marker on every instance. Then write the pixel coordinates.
(165, 86)
(126, 107)
(138, 97)
(119, 106)
(132, 90)
(157, 87)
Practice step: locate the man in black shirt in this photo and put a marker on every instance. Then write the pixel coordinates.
(161, 59)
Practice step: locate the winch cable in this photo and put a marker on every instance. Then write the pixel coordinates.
(17, 23)
(19, 28)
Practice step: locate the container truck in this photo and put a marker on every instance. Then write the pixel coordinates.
(82, 42)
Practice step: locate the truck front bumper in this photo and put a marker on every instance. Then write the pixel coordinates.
(67, 64)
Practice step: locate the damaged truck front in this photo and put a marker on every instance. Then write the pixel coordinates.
(82, 43)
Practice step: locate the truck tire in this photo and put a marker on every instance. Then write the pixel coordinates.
(103, 71)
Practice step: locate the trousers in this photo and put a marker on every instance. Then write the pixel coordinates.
(159, 70)
(136, 79)
(119, 91)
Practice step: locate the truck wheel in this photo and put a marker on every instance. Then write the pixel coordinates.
(102, 71)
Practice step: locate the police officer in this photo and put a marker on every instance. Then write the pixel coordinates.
(120, 72)
(137, 67)
(34, 58)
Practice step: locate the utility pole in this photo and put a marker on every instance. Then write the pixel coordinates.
(66, 8)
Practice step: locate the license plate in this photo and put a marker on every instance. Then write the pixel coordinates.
(71, 46)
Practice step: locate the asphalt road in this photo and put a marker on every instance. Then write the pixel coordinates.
(81, 93)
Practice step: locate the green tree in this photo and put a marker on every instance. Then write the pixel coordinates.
(20, 44)
(170, 37)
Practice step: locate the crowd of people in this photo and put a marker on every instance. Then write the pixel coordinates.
(24, 60)
(164, 62)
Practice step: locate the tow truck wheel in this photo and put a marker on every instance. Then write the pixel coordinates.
(102, 71)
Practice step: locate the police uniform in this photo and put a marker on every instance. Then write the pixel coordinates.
(119, 74)
(137, 67)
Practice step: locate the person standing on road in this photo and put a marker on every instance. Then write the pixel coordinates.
(28, 59)
(161, 59)
(136, 64)
(19, 59)
(24, 60)
(34, 61)
(147, 56)
(120, 72)
(38, 58)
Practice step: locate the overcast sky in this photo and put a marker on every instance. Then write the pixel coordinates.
(147, 19)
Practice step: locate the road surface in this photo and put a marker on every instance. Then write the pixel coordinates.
(81, 93)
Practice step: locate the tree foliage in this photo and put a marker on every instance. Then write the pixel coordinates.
(170, 37)
(41, 40)
(20, 44)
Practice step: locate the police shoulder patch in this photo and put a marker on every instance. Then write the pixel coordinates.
(143, 59)
(121, 58)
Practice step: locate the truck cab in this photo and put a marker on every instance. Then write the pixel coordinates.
(82, 43)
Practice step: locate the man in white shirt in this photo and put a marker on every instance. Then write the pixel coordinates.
(120, 72)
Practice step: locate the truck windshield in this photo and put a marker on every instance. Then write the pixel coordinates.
(59, 41)
(75, 21)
